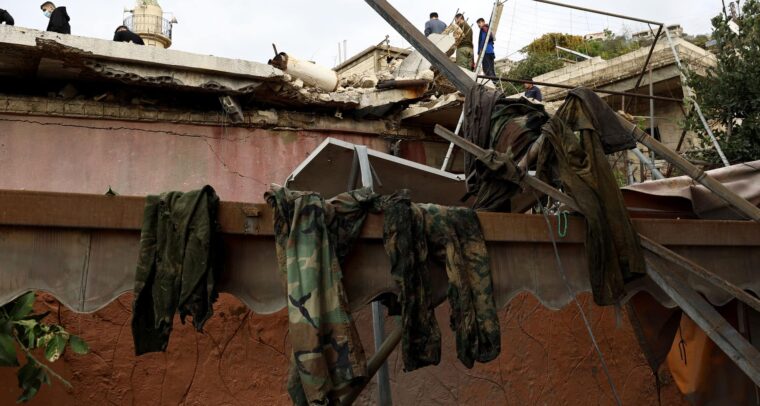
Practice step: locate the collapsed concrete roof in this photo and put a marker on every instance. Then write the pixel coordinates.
(32, 54)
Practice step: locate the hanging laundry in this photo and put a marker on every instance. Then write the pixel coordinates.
(406, 245)
(455, 238)
(313, 237)
(509, 126)
(414, 234)
(574, 157)
(179, 265)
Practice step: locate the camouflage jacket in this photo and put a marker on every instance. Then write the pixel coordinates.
(178, 265)
(313, 237)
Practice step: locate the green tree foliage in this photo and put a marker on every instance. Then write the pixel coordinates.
(698, 40)
(20, 329)
(542, 55)
(548, 43)
(729, 94)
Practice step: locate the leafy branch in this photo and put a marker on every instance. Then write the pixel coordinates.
(20, 328)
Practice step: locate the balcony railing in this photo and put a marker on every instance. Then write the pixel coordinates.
(149, 24)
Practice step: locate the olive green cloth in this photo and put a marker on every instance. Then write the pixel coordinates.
(465, 57)
(577, 158)
(508, 126)
(178, 265)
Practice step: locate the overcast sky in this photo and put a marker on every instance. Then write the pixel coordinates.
(311, 29)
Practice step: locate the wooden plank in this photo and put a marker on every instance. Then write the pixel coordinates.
(83, 211)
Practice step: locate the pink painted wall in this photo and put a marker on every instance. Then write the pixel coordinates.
(241, 358)
(133, 158)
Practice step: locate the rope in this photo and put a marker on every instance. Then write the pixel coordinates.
(562, 223)
(577, 303)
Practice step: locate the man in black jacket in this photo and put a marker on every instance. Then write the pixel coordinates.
(5, 17)
(123, 34)
(59, 19)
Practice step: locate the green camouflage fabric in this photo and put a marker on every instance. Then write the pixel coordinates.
(406, 245)
(507, 126)
(178, 267)
(312, 237)
(415, 234)
(456, 239)
(613, 249)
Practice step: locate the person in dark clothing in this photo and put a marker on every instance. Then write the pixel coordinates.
(59, 18)
(533, 92)
(5, 17)
(123, 34)
(489, 58)
(434, 26)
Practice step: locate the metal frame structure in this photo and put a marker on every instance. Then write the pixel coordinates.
(661, 27)
(726, 337)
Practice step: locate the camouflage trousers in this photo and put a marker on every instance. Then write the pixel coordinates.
(415, 234)
(465, 57)
(313, 237)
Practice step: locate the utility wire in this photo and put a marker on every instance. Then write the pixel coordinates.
(577, 303)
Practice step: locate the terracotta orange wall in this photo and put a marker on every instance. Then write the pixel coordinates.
(242, 359)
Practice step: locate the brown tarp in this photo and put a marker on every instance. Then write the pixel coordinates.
(742, 179)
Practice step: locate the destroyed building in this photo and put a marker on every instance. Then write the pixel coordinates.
(84, 120)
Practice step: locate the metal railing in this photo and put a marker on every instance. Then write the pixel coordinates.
(149, 24)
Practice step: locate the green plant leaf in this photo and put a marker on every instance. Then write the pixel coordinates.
(30, 378)
(22, 306)
(55, 347)
(78, 345)
(7, 351)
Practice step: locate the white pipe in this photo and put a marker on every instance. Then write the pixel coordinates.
(309, 72)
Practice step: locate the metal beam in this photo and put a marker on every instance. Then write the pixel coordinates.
(715, 326)
(591, 10)
(561, 86)
(410, 33)
(741, 204)
(741, 352)
(378, 359)
(700, 272)
(361, 156)
(646, 63)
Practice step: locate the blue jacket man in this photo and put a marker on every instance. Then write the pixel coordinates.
(434, 26)
(489, 58)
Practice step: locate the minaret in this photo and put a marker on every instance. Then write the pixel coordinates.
(147, 20)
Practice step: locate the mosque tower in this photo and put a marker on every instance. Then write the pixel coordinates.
(147, 20)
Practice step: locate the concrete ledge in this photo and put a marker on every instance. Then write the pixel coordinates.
(99, 49)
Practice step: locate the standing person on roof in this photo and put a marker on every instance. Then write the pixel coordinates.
(123, 34)
(489, 58)
(464, 46)
(434, 26)
(59, 19)
(5, 17)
